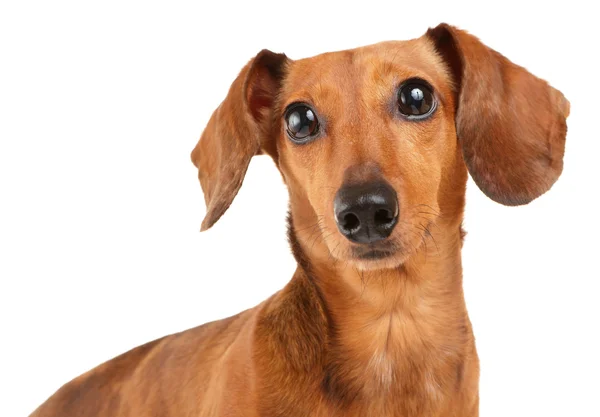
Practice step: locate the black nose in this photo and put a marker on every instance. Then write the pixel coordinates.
(366, 213)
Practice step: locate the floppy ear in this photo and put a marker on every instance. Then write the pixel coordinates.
(511, 125)
(235, 131)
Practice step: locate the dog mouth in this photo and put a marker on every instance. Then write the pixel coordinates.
(373, 252)
(382, 255)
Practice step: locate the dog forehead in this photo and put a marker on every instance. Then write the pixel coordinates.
(366, 65)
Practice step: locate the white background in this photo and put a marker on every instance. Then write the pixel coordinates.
(100, 208)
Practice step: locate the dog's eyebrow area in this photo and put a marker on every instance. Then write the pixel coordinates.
(355, 79)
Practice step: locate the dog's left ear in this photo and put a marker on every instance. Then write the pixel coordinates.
(511, 125)
(235, 132)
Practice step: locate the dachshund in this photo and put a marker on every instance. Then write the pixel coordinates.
(375, 145)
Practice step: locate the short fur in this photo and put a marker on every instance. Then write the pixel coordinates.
(348, 336)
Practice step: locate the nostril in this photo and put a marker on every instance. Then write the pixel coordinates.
(350, 222)
(383, 217)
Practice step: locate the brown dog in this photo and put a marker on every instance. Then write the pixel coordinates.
(374, 145)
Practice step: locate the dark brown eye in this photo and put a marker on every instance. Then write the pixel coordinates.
(302, 123)
(415, 99)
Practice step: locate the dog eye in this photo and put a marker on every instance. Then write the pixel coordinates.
(302, 123)
(416, 99)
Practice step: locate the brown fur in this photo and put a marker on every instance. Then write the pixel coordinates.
(350, 337)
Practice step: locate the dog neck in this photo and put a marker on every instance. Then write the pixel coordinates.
(384, 332)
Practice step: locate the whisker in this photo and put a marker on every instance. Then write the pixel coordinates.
(431, 223)
(332, 256)
(427, 233)
(306, 228)
(432, 214)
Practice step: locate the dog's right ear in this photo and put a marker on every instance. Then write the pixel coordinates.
(235, 132)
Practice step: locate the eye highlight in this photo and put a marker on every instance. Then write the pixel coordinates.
(416, 99)
(302, 124)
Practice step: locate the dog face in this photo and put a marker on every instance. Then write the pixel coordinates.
(365, 137)
(374, 143)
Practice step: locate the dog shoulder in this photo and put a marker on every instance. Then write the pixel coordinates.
(132, 381)
(98, 390)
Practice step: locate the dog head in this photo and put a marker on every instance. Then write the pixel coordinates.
(374, 143)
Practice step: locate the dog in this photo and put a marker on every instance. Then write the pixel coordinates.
(375, 145)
